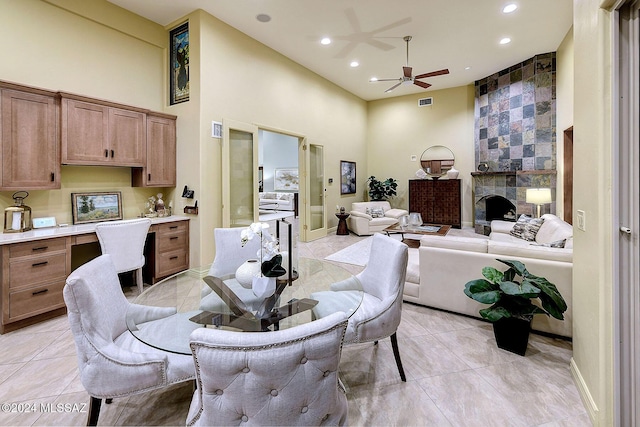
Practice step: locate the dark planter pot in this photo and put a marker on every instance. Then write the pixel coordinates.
(512, 334)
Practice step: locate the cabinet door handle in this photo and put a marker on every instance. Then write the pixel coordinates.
(173, 238)
(52, 177)
(173, 227)
(174, 257)
(40, 264)
(149, 177)
(40, 292)
(106, 153)
(112, 154)
(40, 248)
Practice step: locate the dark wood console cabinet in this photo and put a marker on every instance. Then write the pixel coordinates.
(439, 201)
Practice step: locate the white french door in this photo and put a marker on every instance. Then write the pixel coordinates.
(313, 194)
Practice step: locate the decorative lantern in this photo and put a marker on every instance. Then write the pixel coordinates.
(17, 218)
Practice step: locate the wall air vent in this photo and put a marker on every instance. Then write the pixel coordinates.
(423, 102)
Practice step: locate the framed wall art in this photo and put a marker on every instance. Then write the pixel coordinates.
(286, 179)
(96, 207)
(347, 177)
(179, 64)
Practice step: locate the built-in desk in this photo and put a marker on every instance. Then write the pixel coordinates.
(35, 264)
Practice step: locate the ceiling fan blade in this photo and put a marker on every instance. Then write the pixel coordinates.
(407, 71)
(421, 84)
(433, 74)
(380, 45)
(385, 80)
(393, 87)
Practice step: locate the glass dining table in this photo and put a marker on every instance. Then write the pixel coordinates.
(191, 299)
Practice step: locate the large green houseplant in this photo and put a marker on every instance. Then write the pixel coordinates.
(381, 190)
(512, 300)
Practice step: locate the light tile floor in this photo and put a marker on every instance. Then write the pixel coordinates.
(456, 376)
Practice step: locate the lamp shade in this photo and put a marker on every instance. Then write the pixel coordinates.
(538, 196)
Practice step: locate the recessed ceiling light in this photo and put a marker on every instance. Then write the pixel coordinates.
(505, 40)
(467, 68)
(509, 8)
(354, 64)
(373, 79)
(263, 17)
(325, 40)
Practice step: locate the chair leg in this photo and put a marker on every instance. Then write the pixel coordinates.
(396, 354)
(94, 411)
(139, 280)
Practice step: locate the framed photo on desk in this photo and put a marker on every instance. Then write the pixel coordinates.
(96, 207)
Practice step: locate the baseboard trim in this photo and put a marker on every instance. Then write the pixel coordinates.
(583, 390)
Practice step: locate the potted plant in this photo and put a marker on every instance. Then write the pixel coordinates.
(512, 308)
(381, 190)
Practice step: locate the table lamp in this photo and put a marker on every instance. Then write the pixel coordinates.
(539, 197)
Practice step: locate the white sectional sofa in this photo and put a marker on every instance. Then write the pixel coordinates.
(364, 222)
(440, 267)
(271, 200)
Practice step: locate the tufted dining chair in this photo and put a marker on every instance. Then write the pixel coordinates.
(112, 362)
(124, 241)
(230, 254)
(281, 378)
(382, 280)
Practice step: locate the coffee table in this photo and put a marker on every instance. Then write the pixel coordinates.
(424, 229)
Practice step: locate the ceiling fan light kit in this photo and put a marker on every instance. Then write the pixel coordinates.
(407, 77)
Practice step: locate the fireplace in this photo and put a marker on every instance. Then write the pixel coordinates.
(497, 207)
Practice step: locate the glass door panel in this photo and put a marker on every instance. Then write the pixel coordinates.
(317, 218)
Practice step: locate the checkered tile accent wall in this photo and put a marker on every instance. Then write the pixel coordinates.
(515, 116)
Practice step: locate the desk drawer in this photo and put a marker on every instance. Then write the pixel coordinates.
(37, 300)
(30, 270)
(171, 263)
(172, 227)
(171, 242)
(38, 247)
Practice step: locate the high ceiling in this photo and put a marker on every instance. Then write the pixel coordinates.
(461, 35)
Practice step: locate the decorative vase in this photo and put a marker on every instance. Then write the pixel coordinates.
(452, 173)
(512, 334)
(415, 219)
(263, 287)
(246, 272)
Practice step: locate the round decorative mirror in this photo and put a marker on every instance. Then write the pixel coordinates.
(437, 160)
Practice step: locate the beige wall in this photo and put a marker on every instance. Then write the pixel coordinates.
(398, 129)
(564, 109)
(593, 324)
(52, 48)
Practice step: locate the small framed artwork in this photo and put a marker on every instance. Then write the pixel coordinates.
(179, 64)
(347, 177)
(96, 207)
(286, 179)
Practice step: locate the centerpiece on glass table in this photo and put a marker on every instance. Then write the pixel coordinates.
(260, 274)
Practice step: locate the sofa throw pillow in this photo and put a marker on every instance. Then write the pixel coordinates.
(526, 228)
(377, 213)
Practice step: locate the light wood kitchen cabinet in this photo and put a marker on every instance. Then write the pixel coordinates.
(33, 275)
(160, 169)
(101, 133)
(30, 139)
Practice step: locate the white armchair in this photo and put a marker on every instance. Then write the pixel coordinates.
(112, 362)
(367, 218)
(382, 280)
(280, 378)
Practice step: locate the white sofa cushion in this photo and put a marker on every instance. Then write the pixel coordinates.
(553, 229)
(470, 244)
(413, 267)
(395, 213)
(505, 249)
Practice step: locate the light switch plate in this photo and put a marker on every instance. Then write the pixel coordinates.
(44, 222)
(582, 220)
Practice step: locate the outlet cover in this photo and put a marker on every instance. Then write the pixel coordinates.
(414, 158)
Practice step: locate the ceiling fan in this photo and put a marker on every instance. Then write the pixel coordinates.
(406, 74)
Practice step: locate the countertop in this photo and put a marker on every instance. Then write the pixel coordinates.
(70, 230)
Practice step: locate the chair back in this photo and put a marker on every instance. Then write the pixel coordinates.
(230, 254)
(287, 377)
(96, 306)
(386, 270)
(124, 241)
